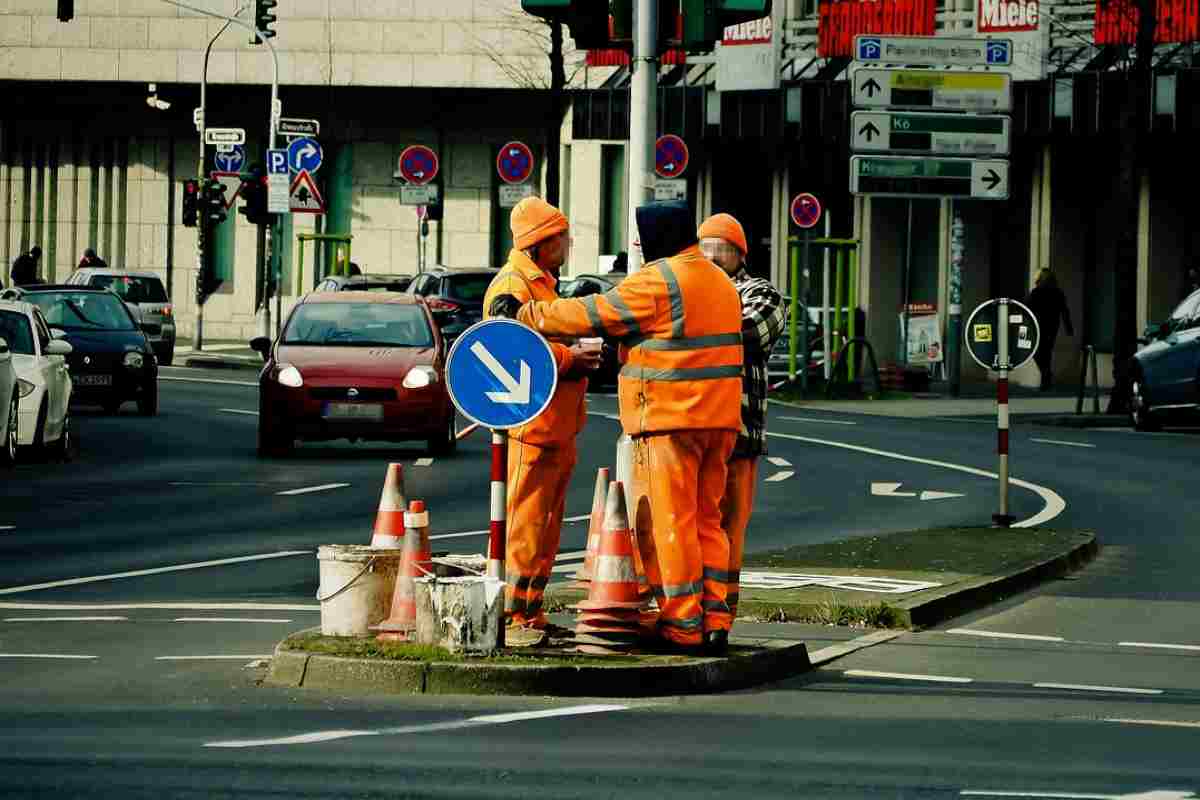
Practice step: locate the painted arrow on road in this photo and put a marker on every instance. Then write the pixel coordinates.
(887, 489)
(518, 391)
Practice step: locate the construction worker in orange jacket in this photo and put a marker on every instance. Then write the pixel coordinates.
(723, 240)
(679, 321)
(541, 453)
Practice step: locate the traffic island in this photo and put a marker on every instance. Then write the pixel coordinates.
(902, 580)
(364, 665)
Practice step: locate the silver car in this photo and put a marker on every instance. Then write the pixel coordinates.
(9, 400)
(144, 293)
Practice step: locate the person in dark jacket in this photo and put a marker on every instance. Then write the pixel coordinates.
(25, 268)
(91, 260)
(1049, 305)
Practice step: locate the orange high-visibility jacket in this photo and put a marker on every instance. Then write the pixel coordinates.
(564, 418)
(680, 321)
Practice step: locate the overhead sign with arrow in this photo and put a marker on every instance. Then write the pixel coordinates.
(917, 176)
(916, 132)
(933, 90)
(501, 374)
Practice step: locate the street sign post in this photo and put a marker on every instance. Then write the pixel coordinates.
(916, 176)
(305, 154)
(932, 90)
(936, 51)
(303, 195)
(277, 182)
(916, 132)
(671, 156)
(805, 211)
(418, 165)
(224, 135)
(514, 162)
(291, 126)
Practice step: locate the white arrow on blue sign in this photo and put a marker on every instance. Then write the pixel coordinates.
(305, 154)
(230, 161)
(501, 374)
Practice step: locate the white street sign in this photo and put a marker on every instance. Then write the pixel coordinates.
(513, 193)
(670, 189)
(915, 132)
(923, 176)
(224, 135)
(935, 51)
(423, 195)
(932, 90)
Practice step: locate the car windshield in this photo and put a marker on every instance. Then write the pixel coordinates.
(358, 325)
(83, 310)
(470, 288)
(132, 288)
(14, 329)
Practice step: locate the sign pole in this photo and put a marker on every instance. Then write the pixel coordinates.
(1003, 519)
(826, 333)
(643, 114)
(958, 236)
(794, 281)
(804, 315)
(907, 289)
(496, 528)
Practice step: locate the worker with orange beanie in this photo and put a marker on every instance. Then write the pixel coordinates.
(763, 313)
(541, 453)
(679, 322)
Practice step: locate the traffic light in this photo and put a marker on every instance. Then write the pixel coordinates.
(66, 10)
(254, 192)
(264, 18)
(213, 202)
(191, 202)
(704, 21)
(586, 20)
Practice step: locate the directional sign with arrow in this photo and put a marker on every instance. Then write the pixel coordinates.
(921, 176)
(501, 374)
(933, 90)
(305, 154)
(887, 489)
(916, 132)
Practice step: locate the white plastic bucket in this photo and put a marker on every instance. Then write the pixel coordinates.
(356, 587)
(461, 614)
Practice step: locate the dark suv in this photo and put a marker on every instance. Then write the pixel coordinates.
(455, 292)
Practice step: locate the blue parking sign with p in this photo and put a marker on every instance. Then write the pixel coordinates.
(277, 162)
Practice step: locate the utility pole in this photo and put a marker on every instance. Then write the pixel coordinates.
(643, 113)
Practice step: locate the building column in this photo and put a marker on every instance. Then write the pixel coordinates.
(1143, 252)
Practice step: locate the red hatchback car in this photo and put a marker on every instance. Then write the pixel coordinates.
(355, 365)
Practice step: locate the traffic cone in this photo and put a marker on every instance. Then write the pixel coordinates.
(609, 622)
(599, 500)
(389, 519)
(402, 621)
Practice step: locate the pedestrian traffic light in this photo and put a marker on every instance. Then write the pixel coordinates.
(586, 20)
(213, 202)
(264, 18)
(704, 21)
(191, 202)
(66, 10)
(254, 192)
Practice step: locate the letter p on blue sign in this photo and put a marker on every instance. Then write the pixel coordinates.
(277, 162)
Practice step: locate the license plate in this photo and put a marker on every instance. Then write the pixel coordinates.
(367, 411)
(93, 380)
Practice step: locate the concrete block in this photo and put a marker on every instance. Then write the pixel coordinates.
(120, 34)
(89, 65)
(512, 72)
(468, 250)
(16, 31)
(178, 34)
(460, 211)
(373, 163)
(305, 68)
(413, 37)
(343, 9)
(254, 67)
(98, 8)
(383, 70)
(494, 10)
(376, 675)
(42, 63)
(147, 8)
(65, 187)
(383, 9)
(403, 257)
(343, 70)
(49, 32)
(154, 201)
(445, 10)
(442, 71)
(300, 34)
(357, 36)
(470, 165)
(148, 65)
(31, 7)
(307, 9)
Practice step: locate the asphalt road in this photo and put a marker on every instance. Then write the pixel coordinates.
(1083, 688)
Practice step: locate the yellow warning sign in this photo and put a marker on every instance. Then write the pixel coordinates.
(982, 333)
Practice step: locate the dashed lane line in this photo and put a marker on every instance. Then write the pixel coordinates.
(207, 380)
(423, 462)
(211, 658)
(238, 411)
(905, 676)
(1062, 442)
(1162, 646)
(311, 489)
(65, 656)
(1081, 687)
(1000, 635)
(463, 534)
(157, 607)
(820, 421)
(1167, 723)
(66, 619)
(779, 476)
(778, 461)
(230, 619)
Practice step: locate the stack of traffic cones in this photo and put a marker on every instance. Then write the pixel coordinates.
(608, 624)
(402, 622)
(389, 520)
(583, 576)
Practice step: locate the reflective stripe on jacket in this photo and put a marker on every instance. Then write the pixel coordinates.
(679, 320)
(564, 418)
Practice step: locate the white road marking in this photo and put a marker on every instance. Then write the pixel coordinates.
(431, 727)
(1162, 794)
(46, 655)
(7, 527)
(207, 380)
(210, 658)
(1169, 723)
(888, 489)
(423, 462)
(904, 676)
(238, 411)
(821, 421)
(1054, 504)
(780, 476)
(210, 483)
(1067, 444)
(153, 571)
(1189, 647)
(617, 417)
(835, 651)
(156, 607)
(310, 489)
(928, 495)
(566, 567)
(1000, 635)
(1086, 688)
(230, 619)
(462, 534)
(572, 556)
(779, 462)
(66, 619)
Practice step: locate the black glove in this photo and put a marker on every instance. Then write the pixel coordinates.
(506, 305)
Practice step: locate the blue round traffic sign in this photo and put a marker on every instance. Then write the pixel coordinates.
(514, 162)
(501, 374)
(231, 160)
(670, 156)
(418, 164)
(305, 154)
(806, 210)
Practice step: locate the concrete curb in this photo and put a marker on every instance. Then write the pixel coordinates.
(220, 362)
(776, 660)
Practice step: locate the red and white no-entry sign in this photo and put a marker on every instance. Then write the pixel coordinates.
(806, 210)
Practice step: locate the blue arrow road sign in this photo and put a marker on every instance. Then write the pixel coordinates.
(231, 161)
(501, 374)
(305, 153)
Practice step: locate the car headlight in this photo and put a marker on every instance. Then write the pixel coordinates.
(290, 376)
(24, 387)
(134, 360)
(419, 378)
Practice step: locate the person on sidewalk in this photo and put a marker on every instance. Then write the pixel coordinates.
(541, 453)
(679, 321)
(25, 268)
(1049, 305)
(723, 241)
(91, 261)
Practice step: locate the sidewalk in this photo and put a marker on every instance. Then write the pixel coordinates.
(218, 354)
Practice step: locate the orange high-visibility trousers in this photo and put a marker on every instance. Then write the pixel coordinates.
(537, 492)
(736, 506)
(679, 479)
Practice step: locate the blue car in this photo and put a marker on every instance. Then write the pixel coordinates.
(1166, 372)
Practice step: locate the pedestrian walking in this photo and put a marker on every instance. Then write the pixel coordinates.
(679, 320)
(91, 260)
(541, 453)
(1049, 305)
(25, 267)
(723, 241)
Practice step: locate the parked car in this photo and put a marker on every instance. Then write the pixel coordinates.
(1165, 373)
(584, 285)
(10, 405)
(459, 292)
(111, 360)
(780, 359)
(365, 283)
(143, 291)
(355, 365)
(39, 411)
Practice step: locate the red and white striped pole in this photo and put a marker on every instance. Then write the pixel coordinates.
(496, 528)
(1002, 519)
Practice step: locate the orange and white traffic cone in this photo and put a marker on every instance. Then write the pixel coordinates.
(389, 519)
(599, 500)
(402, 621)
(609, 622)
